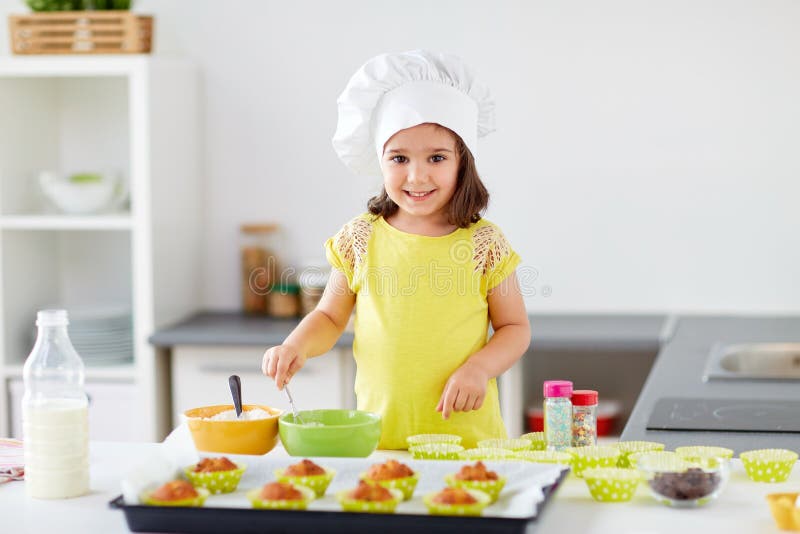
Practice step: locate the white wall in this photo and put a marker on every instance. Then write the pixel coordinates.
(646, 156)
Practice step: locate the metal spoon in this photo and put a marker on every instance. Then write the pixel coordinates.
(235, 383)
(291, 402)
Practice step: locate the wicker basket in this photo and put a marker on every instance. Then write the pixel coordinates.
(81, 32)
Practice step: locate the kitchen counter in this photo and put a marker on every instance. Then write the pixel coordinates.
(549, 332)
(740, 508)
(678, 372)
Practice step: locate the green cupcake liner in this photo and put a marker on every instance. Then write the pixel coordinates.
(486, 454)
(422, 439)
(768, 465)
(318, 483)
(626, 448)
(635, 457)
(406, 485)
(513, 445)
(458, 509)
(592, 456)
(257, 502)
(697, 452)
(369, 507)
(545, 457)
(537, 439)
(611, 484)
(436, 451)
(216, 481)
(194, 502)
(492, 488)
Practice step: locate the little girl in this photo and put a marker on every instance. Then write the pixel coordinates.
(425, 272)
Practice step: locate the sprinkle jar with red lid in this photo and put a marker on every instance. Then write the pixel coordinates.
(584, 417)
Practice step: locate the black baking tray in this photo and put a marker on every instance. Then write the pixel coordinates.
(245, 520)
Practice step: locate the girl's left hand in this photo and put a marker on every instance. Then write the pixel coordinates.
(464, 391)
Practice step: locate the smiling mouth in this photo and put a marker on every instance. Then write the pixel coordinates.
(417, 195)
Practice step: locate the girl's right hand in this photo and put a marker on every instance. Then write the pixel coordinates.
(281, 363)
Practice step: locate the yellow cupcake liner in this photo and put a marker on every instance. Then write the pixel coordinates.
(216, 481)
(626, 448)
(784, 511)
(369, 507)
(422, 439)
(436, 451)
(768, 465)
(406, 485)
(700, 452)
(513, 445)
(592, 456)
(194, 502)
(458, 509)
(545, 457)
(537, 439)
(492, 488)
(261, 504)
(486, 454)
(318, 483)
(611, 484)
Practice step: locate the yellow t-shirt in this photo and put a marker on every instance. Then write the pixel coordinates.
(421, 312)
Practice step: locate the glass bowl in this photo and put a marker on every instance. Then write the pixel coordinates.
(682, 483)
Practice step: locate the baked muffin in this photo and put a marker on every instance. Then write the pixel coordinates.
(175, 493)
(307, 473)
(477, 477)
(456, 501)
(217, 475)
(372, 498)
(281, 496)
(393, 475)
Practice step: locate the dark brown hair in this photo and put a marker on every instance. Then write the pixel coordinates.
(469, 200)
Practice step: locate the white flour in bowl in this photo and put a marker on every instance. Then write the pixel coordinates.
(230, 415)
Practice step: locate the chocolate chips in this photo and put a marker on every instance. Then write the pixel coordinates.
(694, 483)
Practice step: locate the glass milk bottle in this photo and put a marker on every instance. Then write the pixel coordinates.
(557, 414)
(55, 424)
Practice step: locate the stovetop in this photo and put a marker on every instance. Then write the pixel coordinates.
(737, 415)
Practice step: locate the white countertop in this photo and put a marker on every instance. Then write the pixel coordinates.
(741, 508)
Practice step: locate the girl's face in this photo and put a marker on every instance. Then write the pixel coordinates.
(420, 170)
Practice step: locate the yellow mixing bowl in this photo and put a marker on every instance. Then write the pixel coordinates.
(257, 436)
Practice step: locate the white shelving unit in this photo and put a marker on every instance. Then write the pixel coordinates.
(134, 114)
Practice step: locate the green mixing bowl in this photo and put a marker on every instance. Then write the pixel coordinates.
(351, 433)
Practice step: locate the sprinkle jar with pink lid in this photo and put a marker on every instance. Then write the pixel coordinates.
(558, 414)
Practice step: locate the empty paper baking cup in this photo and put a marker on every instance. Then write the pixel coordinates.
(216, 481)
(458, 509)
(538, 443)
(611, 484)
(635, 457)
(545, 457)
(486, 453)
(318, 483)
(785, 510)
(514, 445)
(768, 465)
(492, 488)
(422, 439)
(371, 507)
(254, 496)
(701, 452)
(406, 485)
(593, 456)
(436, 451)
(626, 448)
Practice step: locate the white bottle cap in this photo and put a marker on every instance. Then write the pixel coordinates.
(52, 318)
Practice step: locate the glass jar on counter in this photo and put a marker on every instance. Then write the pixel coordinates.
(558, 414)
(284, 300)
(312, 280)
(584, 417)
(259, 265)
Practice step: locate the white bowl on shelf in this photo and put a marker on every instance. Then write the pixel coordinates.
(83, 193)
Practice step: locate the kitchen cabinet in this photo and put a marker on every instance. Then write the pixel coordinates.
(200, 378)
(136, 115)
